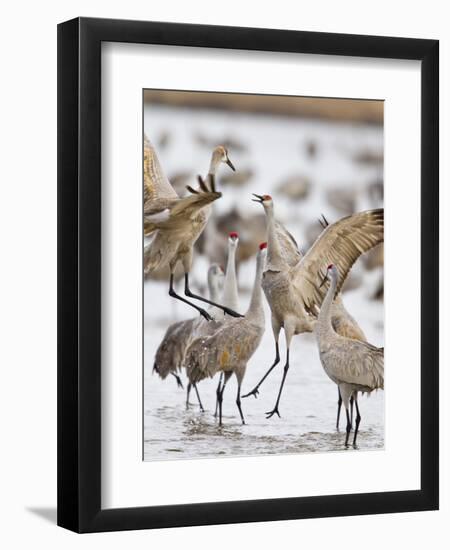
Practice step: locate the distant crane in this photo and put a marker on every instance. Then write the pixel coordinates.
(353, 365)
(293, 291)
(230, 348)
(176, 223)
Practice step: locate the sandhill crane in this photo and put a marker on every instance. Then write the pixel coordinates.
(175, 222)
(293, 291)
(230, 348)
(345, 325)
(230, 296)
(169, 356)
(353, 365)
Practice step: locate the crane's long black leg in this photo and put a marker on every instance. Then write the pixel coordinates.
(188, 391)
(285, 370)
(188, 292)
(238, 402)
(172, 293)
(349, 426)
(217, 394)
(255, 390)
(220, 397)
(352, 400)
(178, 379)
(198, 397)
(339, 408)
(357, 421)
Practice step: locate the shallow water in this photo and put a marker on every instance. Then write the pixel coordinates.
(308, 404)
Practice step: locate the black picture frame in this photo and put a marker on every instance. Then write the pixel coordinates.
(79, 274)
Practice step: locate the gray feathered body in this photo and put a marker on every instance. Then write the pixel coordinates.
(284, 304)
(228, 350)
(351, 362)
(352, 365)
(170, 354)
(174, 242)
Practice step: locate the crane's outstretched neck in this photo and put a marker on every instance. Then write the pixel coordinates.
(275, 260)
(324, 321)
(230, 297)
(255, 311)
(214, 163)
(213, 288)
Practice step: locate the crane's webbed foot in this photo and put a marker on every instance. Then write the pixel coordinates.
(274, 411)
(254, 392)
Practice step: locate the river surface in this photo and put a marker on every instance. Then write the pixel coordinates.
(308, 405)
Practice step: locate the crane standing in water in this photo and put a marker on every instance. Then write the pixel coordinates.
(230, 348)
(353, 365)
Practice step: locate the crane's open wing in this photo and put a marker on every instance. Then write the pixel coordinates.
(289, 246)
(156, 185)
(162, 211)
(340, 244)
(189, 206)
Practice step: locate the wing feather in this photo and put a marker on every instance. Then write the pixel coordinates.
(156, 184)
(340, 244)
(185, 208)
(364, 366)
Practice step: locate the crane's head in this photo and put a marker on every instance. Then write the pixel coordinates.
(220, 154)
(263, 250)
(265, 200)
(233, 238)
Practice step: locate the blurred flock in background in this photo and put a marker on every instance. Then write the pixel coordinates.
(320, 160)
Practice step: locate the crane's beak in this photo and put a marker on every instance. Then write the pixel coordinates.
(259, 198)
(324, 280)
(230, 164)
